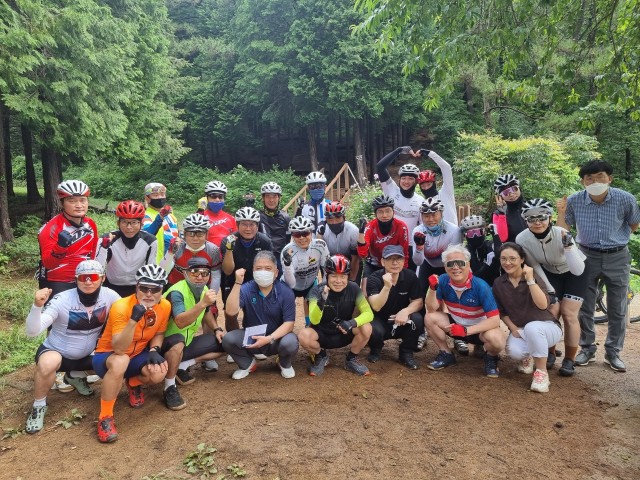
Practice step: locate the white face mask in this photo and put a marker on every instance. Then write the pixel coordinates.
(195, 250)
(596, 189)
(263, 278)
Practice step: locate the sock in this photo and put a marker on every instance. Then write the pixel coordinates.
(570, 352)
(323, 353)
(186, 364)
(169, 382)
(134, 381)
(78, 374)
(106, 408)
(351, 355)
(40, 402)
(307, 321)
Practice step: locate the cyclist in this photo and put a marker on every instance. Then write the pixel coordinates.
(222, 223)
(395, 297)
(302, 258)
(341, 236)
(191, 302)
(605, 217)
(129, 347)
(509, 224)
(315, 207)
(525, 308)
(125, 250)
(269, 305)
(428, 187)
(484, 260)
(67, 239)
(333, 324)
(159, 219)
(555, 258)
(76, 317)
(273, 221)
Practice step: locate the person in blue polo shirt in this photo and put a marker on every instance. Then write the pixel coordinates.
(473, 312)
(264, 302)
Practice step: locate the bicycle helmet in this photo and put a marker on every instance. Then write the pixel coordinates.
(426, 176)
(300, 224)
(196, 222)
(315, 177)
(151, 275)
(89, 266)
(72, 188)
(271, 187)
(472, 221)
(536, 206)
(130, 209)
(154, 187)
(248, 213)
(409, 169)
(334, 209)
(432, 205)
(215, 186)
(337, 264)
(382, 201)
(505, 181)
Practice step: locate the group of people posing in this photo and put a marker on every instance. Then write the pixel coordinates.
(139, 304)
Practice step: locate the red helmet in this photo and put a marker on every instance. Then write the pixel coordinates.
(334, 209)
(130, 209)
(337, 264)
(427, 176)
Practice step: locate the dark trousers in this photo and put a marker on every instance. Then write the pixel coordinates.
(409, 333)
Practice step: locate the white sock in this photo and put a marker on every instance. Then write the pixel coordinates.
(78, 374)
(186, 364)
(40, 402)
(168, 382)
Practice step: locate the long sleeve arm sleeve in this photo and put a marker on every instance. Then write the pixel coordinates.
(36, 322)
(383, 164)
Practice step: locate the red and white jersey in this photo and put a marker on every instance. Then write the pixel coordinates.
(222, 225)
(375, 241)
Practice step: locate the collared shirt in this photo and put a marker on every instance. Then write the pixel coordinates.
(476, 302)
(406, 289)
(604, 225)
(517, 302)
(277, 307)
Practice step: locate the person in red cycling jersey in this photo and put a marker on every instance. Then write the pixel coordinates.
(222, 224)
(67, 239)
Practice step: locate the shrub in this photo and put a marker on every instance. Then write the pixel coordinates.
(358, 203)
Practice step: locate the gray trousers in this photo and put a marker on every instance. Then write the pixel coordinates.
(614, 269)
(286, 347)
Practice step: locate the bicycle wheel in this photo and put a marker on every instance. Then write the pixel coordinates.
(600, 313)
(633, 299)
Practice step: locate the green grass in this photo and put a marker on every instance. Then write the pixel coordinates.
(16, 349)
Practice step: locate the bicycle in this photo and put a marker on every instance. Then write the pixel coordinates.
(633, 299)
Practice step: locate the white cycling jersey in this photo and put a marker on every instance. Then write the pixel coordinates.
(345, 243)
(434, 246)
(446, 193)
(405, 209)
(305, 264)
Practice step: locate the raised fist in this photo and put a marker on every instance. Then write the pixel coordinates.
(209, 298)
(138, 312)
(105, 242)
(325, 292)
(64, 239)
(230, 242)
(42, 296)
(567, 240)
(387, 279)
(527, 272)
(240, 275)
(419, 238)
(362, 225)
(321, 229)
(287, 257)
(433, 282)
(166, 210)
(174, 244)
(561, 205)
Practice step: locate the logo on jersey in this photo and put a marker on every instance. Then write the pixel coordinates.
(384, 239)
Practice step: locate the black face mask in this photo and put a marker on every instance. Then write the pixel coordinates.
(88, 299)
(430, 192)
(336, 228)
(475, 242)
(385, 227)
(542, 235)
(130, 243)
(157, 202)
(408, 193)
(515, 203)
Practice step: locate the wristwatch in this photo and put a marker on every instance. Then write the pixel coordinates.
(531, 282)
(273, 340)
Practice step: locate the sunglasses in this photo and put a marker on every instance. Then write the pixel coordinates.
(537, 218)
(196, 234)
(455, 263)
(316, 186)
(204, 272)
(508, 191)
(216, 195)
(148, 289)
(473, 232)
(300, 234)
(94, 277)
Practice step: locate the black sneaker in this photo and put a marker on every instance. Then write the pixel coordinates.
(374, 355)
(491, 369)
(183, 377)
(406, 359)
(172, 398)
(551, 360)
(443, 360)
(568, 368)
(461, 346)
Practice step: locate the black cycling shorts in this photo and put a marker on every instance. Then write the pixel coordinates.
(330, 338)
(568, 284)
(67, 364)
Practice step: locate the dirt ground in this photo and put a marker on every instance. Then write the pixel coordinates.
(395, 423)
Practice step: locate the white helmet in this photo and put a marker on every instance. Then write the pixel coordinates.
(409, 169)
(315, 177)
(72, 188)
(89, 266)
(151, 274)
(536, 206)
(432, 205)
(471, 222)
(248, 213)
(271, 187)
(300, 224)
(196, 222)
(215, 186)
(504, 181)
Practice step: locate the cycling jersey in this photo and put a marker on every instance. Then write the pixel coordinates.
(338, 306)
(345, 243)
(74, 327)
(243, 256)
(276, 227)
(485, 262)
(305, 263)
(476, 301)
(434, 246)
(222, 225)
(181, 294)
(59, 262)
(314, 212)
(406, 289)
(405, 209)
(165, 229)
(124, 256)
(511, 221)
(210, 252)
(375, 241)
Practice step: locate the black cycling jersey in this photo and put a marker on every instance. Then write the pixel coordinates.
(276, 227)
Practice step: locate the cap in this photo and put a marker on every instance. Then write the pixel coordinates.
(198, 262)
(154, 187)
(391, 250)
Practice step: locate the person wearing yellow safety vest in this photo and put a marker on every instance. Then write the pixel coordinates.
(158, 219)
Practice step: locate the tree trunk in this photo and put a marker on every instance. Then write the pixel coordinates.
(331, 143)
(347, 141)
(8, 166)
(628, 173)
(358, 144)
(313, 146)
(488, 123)
(51, 178)
(6, 234)
(33, 195)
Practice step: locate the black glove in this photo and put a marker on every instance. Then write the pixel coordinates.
(155, 358)
(138, 312)
(64, 239)
(406, 150)
(362, 225)
(347, 325)
(419, 238)
(287, 257)
(424, 152)
(321, 229)
(300, 201)
(567, 240)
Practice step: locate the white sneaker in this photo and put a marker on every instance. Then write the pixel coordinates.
(230, 359)
(239, 374)
(526, 365)
(422, 339)
(60, 385)
(259, 356)
(92, 378)
(540, 381)
(287, 372)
